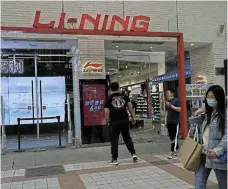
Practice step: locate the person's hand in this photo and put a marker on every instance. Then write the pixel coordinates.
(211, 154)
(167, 103)
(133, 121)
(196, 113)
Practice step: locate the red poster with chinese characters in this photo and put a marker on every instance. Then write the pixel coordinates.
(93, 104)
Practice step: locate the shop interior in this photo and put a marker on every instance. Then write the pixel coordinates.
(144, 69)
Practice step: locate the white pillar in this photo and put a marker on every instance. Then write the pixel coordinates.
(76, 96)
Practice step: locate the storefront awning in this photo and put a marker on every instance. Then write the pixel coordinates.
(171, 76)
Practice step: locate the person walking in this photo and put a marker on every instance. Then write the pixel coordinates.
(117, 118)
(213, 136)
(173, 107)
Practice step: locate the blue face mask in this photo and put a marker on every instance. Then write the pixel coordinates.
(211, 102)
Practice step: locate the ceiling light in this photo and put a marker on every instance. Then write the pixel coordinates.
(117, 46)
(192, 44)
(108, 73)
(151, 47)
(126, 66)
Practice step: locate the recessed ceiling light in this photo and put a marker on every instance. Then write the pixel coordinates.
(117, 46)
(126, 66)
(151, 47)
(192, 44)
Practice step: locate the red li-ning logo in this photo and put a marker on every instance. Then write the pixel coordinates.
(94, 67)
(137, 23)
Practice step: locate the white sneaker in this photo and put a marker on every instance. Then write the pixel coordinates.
(171, 155)
(135, 158)
(114, 162)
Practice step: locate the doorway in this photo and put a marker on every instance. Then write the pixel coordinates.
(34, 85)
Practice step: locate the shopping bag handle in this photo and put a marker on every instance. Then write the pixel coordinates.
(196, 134)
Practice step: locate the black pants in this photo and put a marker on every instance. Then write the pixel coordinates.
(115, 129)
(173, 130)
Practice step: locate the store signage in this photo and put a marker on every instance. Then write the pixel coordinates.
(93, 67)
(12, 66)
(169, 76)
(93, 104)
(138, 24)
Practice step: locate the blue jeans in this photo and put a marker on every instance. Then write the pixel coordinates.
(201, 177)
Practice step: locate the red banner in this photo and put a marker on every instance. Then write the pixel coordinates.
(93, 104)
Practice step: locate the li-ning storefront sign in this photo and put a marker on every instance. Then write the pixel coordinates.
(92, 70)
(93, 67)
(138, 24)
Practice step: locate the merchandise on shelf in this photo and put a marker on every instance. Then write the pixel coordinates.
(141, 110)
(196, 95)
(155, 101)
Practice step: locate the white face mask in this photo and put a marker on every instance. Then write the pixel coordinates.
(212, 102)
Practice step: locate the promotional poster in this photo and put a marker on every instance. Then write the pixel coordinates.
(93, 104)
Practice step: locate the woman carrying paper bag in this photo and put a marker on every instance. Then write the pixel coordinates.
(212, 134)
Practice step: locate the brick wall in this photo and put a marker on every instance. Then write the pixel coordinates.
(219, 55)
(198, 20)
(92, 49)
(202, 63)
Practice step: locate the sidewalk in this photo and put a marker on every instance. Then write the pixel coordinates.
(71, 155)
(89, 168)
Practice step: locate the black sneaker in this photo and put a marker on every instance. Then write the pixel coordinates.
(114, 162)
(135, 158)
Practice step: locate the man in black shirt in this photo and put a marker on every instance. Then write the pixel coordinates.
(118, 121)
(173, 108)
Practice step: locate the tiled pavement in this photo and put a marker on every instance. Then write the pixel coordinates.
(150, 172)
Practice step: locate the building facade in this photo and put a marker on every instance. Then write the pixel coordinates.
(201, 22)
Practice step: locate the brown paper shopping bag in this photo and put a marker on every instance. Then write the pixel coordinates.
(190, 153)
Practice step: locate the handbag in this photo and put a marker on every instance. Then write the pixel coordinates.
(190, 152)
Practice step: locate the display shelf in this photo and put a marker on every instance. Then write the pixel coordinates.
(195, 97)
(141, 110)
(155, 100)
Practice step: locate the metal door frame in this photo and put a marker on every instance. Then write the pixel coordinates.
(35, 57)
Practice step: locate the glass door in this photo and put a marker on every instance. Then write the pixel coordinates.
(54, 80)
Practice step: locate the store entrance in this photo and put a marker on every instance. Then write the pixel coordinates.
(34, 85)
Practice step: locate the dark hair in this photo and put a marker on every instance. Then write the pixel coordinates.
(171, 90)
(221, 106)
(114, 86)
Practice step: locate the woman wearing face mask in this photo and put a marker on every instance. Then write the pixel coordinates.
(213, 136)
